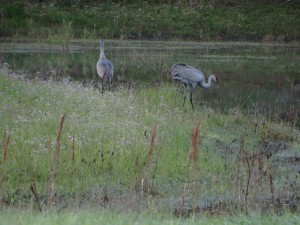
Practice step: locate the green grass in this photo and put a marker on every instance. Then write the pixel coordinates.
(111, 149)
(206, 20)
(106, 217)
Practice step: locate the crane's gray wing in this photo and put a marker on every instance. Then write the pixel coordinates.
(186, 73)
(105, 70)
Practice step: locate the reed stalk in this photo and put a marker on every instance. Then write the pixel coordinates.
(194, 150)
(55, 161)
(145, 180)
(239, 159)
(58, 137)
(247, 180)
(5, 145)
(73, 150)
(271, 183)
(152, 143)
(35, 194)
(194, 153)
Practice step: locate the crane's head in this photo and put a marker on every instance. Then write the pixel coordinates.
(216, 77)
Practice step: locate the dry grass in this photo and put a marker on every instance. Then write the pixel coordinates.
(196, 139)
(52, 193)
(73, 151)
(148, 172)
(152, 144)
(35, 194)
(6, 139)
(57, 145)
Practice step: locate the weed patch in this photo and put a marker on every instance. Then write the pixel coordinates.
(134, 150)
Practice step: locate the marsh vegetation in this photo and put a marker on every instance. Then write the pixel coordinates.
(136, 148)
(136, 154)
(256, 77)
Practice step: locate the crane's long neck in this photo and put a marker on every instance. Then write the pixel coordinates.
(102, 55)
(207, 85)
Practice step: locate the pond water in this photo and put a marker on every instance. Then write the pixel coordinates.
(258, 77)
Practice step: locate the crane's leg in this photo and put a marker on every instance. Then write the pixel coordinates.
(110, 86)
(102, 86)
(182, 86)
(184, 93)
(191, 97)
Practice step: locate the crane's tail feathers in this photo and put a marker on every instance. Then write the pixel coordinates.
(107, 77)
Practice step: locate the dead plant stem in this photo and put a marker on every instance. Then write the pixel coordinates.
(5, 145)
(53, 171)
(35, 194)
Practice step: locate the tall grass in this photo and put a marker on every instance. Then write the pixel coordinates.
(111, 160)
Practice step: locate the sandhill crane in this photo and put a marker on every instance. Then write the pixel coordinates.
(104, 67)
(188, 75)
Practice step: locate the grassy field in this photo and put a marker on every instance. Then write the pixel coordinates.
(106, 217)
(67, 147)
(135, 155)
(168, 20)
